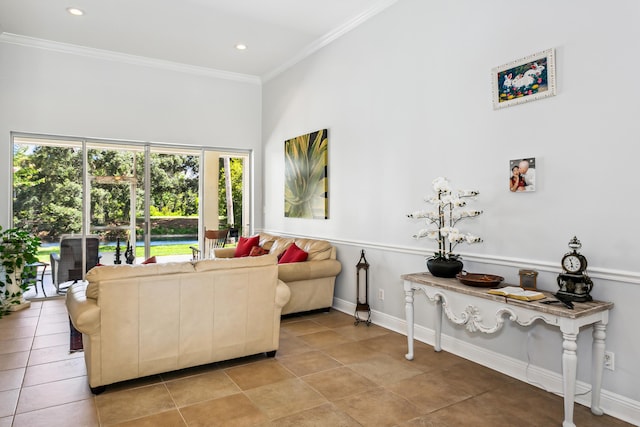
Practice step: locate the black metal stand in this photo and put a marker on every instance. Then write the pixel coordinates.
(117, 258)
(128, 254)
(362, 306)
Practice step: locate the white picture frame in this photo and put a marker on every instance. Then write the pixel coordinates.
(527, 79)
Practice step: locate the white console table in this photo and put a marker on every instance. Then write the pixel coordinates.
(478, 310)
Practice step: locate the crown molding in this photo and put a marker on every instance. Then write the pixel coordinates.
(330, 37)
(108, 55)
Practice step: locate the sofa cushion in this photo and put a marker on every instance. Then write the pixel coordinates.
(245, 244)
(280, 245)
(293, 254)
(267, 240)
(228, 263)
(317, 249)
(109, 272)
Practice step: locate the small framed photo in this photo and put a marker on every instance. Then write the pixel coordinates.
(522, 175)
(524, 80)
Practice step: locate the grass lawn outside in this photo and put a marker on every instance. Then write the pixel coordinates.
(159, 250)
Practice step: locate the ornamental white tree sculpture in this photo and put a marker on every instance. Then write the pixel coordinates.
(441, 222)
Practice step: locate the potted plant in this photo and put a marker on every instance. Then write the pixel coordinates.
(18, 249)
(441, 227)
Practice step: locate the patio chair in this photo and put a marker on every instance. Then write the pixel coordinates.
(212, 239)
(67, 265)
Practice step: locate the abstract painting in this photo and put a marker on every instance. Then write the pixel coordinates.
(306, 189)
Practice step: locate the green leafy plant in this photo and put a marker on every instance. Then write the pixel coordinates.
(18, 249)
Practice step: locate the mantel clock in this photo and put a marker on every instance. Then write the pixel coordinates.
(574, 283)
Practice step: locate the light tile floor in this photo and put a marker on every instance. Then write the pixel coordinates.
(327, 372)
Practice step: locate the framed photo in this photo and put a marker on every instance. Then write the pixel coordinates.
(524, 80)
(522, 175)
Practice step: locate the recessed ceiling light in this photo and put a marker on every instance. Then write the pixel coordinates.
(75, 11)
(241, 46)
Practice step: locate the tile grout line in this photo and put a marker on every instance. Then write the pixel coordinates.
(24, 375)
(23, 386)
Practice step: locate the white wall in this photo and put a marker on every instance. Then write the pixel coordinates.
(49, 92)
(407, 97)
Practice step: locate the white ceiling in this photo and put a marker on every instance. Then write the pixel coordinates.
(200, 33)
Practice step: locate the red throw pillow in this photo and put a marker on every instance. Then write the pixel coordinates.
(293, 254)
(151, 260)
(258, 251)
(245, 244)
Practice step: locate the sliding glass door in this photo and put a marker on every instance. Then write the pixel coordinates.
(114, 185)
(171, 216)
(226, 192)
(154, 199)
(144, 200)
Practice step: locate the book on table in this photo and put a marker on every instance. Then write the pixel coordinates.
(518, 293)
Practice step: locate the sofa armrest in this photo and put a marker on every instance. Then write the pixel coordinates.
(283, 293)
(224, 252)
(84, 312)
(292, 272)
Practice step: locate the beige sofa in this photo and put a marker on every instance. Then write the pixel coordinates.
(311, 282)
(140, 320)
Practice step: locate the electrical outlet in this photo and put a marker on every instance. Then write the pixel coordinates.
(609, 360)
(381, 294)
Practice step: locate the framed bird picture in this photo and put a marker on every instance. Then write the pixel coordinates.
(524, 80)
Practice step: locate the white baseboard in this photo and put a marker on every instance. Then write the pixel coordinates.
(612, 404)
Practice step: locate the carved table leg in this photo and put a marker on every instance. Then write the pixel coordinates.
(569, 371)
(408, 308)
(597, 364)
(438, 323)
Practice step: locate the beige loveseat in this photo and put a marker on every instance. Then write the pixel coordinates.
(312, 281)
(139, 320)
